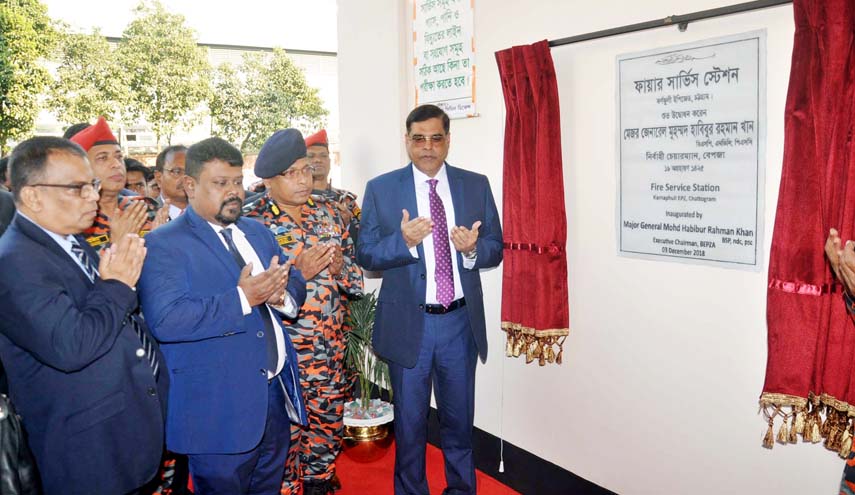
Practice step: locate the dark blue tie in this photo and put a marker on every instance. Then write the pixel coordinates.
(272, 354)
(86, 262)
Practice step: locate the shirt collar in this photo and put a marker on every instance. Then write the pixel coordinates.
(233, 227)
(422, 178)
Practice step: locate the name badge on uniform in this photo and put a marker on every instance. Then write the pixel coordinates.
(285, 239)
(283, 236)
(98, 240)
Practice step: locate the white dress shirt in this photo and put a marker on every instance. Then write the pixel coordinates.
(174, 211)
(420, 180)
(289, 308)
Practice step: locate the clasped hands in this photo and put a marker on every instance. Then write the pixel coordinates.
(123, 260)
(415, 230)
(266, 287)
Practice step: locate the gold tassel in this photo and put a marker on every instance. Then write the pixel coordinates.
(509, 347)
(800, 422)
(559, 358)
(538, 349)
(815, 435)
(783, 433)
(808, 427)
(518, 345)
(825, 426)
(769, 439)
(550, 354)
(793, 437)
(832, 440)
(845, 444)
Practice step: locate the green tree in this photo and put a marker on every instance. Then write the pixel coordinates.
(89, 80)
(267, 93)
(167, 72)
(26, 38)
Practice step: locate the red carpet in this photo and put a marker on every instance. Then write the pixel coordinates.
(375, 478)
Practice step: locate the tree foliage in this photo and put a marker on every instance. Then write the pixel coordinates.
(268, 92)
(26, 38)
(167, 72)
(89, 80)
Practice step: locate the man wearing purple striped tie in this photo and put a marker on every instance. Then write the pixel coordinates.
(430, 227)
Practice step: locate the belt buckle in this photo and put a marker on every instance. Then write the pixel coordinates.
(439, 309)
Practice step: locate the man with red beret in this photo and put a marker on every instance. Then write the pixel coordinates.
(318, 155)
(117, 215)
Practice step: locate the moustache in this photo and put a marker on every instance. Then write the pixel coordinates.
(229, 201)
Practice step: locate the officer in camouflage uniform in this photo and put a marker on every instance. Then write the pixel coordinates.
(318, 155)
(310, 231)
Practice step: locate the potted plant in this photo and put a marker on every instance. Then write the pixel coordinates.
(366, 419)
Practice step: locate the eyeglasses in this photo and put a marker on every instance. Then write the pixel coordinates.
(176, 172)
(83, 190)
(420, 139)
(293, 173)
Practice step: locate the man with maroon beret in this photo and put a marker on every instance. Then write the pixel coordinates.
(318, 155)
(117, 215)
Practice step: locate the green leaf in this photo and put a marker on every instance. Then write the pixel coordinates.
(359, 355)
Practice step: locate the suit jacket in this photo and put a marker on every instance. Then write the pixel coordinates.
(216, 356)
(92, 409)
(399, 320)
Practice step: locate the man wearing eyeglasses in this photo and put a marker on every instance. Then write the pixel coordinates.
(312, 232)
(430, 227)
(169, 174)
(84, 372)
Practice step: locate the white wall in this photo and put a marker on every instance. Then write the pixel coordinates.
(665, 362)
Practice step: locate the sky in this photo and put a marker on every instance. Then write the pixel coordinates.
(289, 24)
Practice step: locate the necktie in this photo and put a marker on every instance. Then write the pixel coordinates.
(89, 267)
(150, 355)
(272, 354)
(443, 273)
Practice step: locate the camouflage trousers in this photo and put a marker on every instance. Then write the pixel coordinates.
(315, 447)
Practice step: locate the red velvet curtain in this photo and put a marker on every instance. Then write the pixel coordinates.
(811, 338)
(535, 312)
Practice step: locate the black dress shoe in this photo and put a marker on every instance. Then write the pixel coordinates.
(335, 483)
(316, 487)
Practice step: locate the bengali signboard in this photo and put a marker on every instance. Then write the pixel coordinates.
(691, 146)
(444, 55)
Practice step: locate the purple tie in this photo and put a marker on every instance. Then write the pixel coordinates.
(441, 251)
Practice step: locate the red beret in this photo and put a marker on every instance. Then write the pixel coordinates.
(317, 139)
(94, 135)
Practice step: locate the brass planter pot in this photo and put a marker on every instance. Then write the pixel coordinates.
(366, 443)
